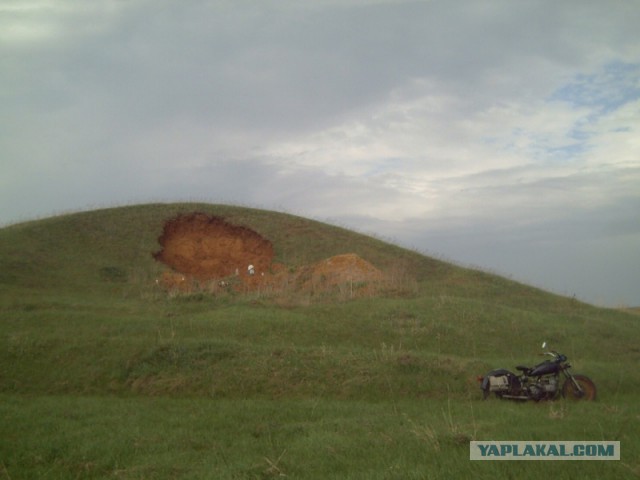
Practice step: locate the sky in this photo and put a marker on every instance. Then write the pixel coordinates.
(498, 135)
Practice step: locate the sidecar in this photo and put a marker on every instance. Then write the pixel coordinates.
(500, 382)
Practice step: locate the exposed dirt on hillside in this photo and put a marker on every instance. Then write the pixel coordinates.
(341, 269)
(208, 253)
(207, 247)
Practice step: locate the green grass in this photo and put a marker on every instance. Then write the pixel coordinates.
(102, 375)
(147, 437)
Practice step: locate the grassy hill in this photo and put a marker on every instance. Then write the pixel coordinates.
(105, 375)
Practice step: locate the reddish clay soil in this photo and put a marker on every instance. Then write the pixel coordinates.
(200, 248)
(206, 247)
(341, 269)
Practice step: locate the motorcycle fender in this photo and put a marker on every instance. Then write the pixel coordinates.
(501, 372)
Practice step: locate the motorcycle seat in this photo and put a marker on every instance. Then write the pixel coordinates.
(522, 368)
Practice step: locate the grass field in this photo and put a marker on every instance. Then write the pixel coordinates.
(104, 375)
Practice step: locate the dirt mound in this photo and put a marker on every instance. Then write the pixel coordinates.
(346, 268)
(346, 275)
(207, 247)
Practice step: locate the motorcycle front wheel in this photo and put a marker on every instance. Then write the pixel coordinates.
(569, 390)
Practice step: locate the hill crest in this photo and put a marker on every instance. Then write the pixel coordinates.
(114, 248)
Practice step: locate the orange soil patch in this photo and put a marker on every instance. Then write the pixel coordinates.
(206, 247)
(342, 269)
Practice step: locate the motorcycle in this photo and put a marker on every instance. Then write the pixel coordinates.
(541, 382)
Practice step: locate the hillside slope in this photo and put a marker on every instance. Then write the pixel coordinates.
(102, 249)
(82, 312)
(87, 250)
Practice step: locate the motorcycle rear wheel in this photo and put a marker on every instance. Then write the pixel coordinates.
(570, 392)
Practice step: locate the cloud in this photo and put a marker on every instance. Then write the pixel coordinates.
(506, 157)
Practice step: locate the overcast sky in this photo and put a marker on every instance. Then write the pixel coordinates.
(498, 134)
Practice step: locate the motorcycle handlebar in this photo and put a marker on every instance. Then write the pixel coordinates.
(557, 356)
